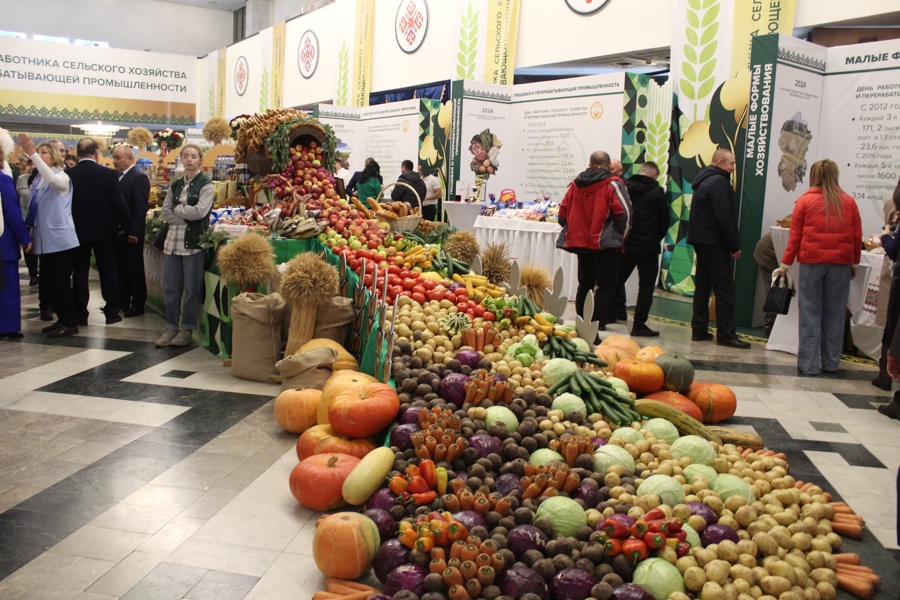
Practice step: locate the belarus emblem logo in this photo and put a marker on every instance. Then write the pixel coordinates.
(308, 54)
(587, 7)
(411, 24)
(241, 76)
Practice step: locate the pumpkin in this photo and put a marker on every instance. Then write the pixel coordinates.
(717, 402)
(340, 381)
(610, 355)
(345, 360)
(640, 377)
(322, 439)
(679, 372)
(317, 481)
(676, 400)
(295, 410)
(364, 410)
(626, 344)
(649, 354)
(345, 545)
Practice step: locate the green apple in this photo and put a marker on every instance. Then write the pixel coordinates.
(322, 237)
(330, 242)
(355, 244)
(341, 242)
(332, 233)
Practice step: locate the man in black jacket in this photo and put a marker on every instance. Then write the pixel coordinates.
(713, 232)
(130, 249)
(401, 193)
(99, 212)
(650, 220)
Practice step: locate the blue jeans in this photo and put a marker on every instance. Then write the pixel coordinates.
(182, 274)
(823, 293)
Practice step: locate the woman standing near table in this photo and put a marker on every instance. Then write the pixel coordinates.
(369, 185)
(826, 238)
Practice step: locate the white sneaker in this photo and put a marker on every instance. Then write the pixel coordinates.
(165, 339)
(182, 338)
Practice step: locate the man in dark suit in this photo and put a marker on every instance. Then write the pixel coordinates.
(402, 193)
(99, 212)
(130, 249)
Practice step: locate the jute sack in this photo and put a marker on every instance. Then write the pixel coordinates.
(332, 320)
(307, 370)
(256, 335)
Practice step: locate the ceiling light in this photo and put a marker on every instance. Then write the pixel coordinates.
(99, 129)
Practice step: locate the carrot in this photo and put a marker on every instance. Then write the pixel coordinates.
(486, 575)
(452, 577)
(869, 575)
(828, 496)
(861, 588)
(453, 450)
(483, 560)
(842, 508)
(780, 455)
(466, 501)
(746, 453)
(479, 340)
(468, 569)
(798, 484)
(360, 587)
(849, 518)
(438, 552)
(838, 503)
(437, 565)
(326, 596)
(457, 548)
(503, 506)
(458, 592)
(487, 547)
(473, 586)
(806, 487)
(497, 562)
(851, 530)
(343, 590)
(847, 558)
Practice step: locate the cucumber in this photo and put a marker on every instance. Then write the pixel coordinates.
(553, 389)
(574, 385)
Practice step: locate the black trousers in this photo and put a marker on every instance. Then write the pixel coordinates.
(31, 261)
(647, 265)
(56, 270)
(132, 283)
(45, 290)
(598, 270)
(105, 254)
(714, 273)
(430, 211)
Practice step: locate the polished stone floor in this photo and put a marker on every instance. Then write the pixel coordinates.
(137, 473)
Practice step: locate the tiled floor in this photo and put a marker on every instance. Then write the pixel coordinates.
(136, 473)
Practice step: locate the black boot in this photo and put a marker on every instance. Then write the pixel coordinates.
(883, 380)
(892, 409)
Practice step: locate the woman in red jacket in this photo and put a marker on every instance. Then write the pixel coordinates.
(826, 238)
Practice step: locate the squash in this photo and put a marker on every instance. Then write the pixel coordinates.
(364, 410)
(345, 360)
(317, 481)
(322, 439)
(676, 400)
(295, 410)
(368, 476)
(649, 354)
(340, 381)
(626, 344)
(345, 545)
(610, 354)
(716, 402)
(640, 377)
(679, 372)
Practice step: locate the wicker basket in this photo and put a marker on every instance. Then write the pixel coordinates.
(409, 222)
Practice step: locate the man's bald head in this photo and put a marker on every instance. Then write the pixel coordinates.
(615, 166)
(122, 157)
(600, 159)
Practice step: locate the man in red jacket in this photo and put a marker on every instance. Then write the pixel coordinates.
(596, 217)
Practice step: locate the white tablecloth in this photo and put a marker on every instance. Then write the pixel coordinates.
(462, 215)
(862, 302)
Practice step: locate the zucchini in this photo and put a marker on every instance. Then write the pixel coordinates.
(367, 476)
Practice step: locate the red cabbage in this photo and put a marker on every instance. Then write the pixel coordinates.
(523, 538)
(406, 577)
(599, 442)
(468, 357)
(453, 388)
(508, 482)
(410, 415)
(470, 519)
(455, 286)
(589, 494)
(384, 521)
(390, 555)
(572, 584)
(485, 444)
(714, 534)
(462, 475)
(515, 582)
(499, 377)
(631, 591)
(382, 498)
(401, 435)
(702, 510)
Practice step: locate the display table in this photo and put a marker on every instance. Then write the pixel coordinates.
(462, 215)
(862, 303)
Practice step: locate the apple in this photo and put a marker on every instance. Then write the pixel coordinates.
(355, 244)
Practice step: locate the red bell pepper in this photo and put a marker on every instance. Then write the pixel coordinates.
(427, 470)
(639, 528)
(398, 484)
(412, 471)
(661, 526)
(635, 549)
(654, 541)
(424, 497)
(418, 485)
(440, 528)
(654, 515)
(457, 531)
(613, 547)
(681, 536)
(682, 549)
(614, 528)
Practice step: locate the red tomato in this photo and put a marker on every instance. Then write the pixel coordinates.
(409, 284)
(450, 296)
(429, 285)
(471, 313)
(418, 289)
(367, 280)
(462, 307)
(394, 280)
(434, 295)
(489, 316)
(404, 273)
(479, 310)
(394, 270)
(354, 264)
(397, 290)
(370, 267)
(462, 293)
(418, 297)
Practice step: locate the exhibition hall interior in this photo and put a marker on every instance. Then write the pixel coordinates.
(450, 300)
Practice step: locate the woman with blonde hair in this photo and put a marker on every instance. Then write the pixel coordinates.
(12, 240)
(826, 238)
(186, 212)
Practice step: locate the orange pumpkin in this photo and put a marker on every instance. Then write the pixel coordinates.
(339, 382)
(345, 544)
(345, 360)
(626, 344)
(716, 402)
(317, 481)
(295, 410)
(364, 410)
(610, 355)
(649, 354)
(322, 439)
(676, 400)
(640, 377)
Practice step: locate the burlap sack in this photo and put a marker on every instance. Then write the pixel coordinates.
(333, 318)
(307, 370)
(256, 335)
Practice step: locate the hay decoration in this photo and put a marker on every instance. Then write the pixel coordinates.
(496, 263)
(101, 144)
(140, 137)
(308, 283)
(463, 246)
(536, 279)
(246, 261)
(216, 130)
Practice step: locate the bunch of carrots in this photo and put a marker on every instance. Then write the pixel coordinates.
(473, 565)
(548, 480)
(483, 386)
(478, 338)
(341, 589)
(439, 439)
(481, 501)
(572, 447)
(854, 578)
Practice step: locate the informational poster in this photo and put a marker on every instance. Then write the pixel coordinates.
(349, 129)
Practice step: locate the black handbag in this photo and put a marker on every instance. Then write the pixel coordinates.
(778, 300)
(160, 241)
